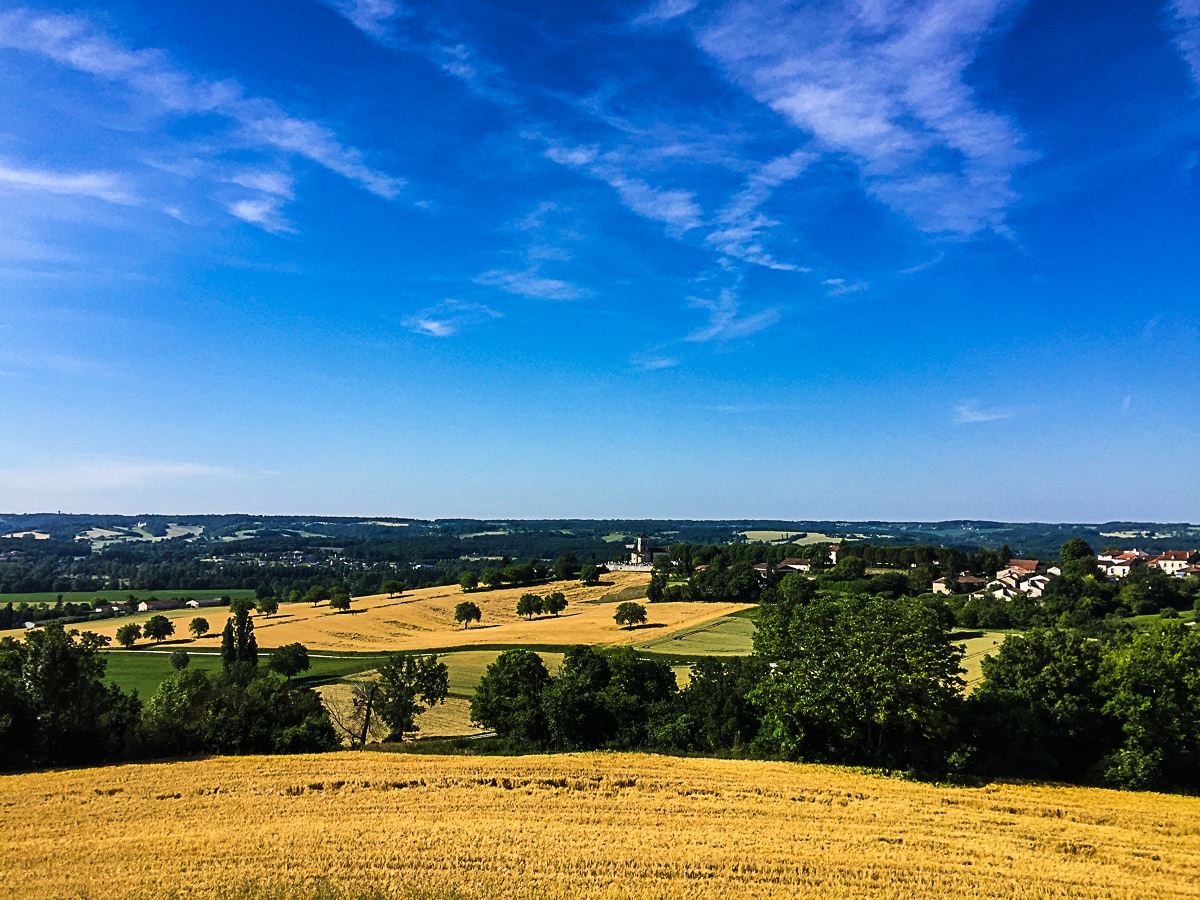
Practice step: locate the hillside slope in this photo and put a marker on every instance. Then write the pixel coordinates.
(594, 825)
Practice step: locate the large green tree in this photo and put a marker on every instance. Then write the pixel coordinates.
(529, 605)
(1038, 712)
(629, 614)
(158, 628)
(198, 627)
(238, 644)
(409, 685)
(55, 688)
(508, 699)
(289, 660)
(1152, 681)
(467, 612)
(859, 679)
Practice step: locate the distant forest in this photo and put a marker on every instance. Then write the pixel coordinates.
(274, 555)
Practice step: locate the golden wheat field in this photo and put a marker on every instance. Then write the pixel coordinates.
(424, 620)
(589, 825)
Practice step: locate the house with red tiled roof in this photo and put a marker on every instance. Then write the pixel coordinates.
(1174, 560)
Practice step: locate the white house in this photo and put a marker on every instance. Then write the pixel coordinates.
(1175, 560)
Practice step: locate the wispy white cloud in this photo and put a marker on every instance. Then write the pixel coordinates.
(99, 185)
(264, 212)
(449, 318)
(529, 283)
(840, 287)
(151, 77)
(664, 11)
(278, 184)
(374, 17)
(262, 121)
(675, 208)
(726, 321)
(740, 223)
(654, 362)
(970, 413)
(1187, 33)
(884, 82)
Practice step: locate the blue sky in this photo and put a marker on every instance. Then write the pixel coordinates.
(844, 260)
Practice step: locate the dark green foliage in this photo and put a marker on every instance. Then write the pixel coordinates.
(241, 605)
(289, 660)
(1152, 684)
(158, 628)
(268, 606)
(1038, 712)
(339, 599)
(714, 712)
(240, 711)
(589, 573)
(566, 566)
(577, 716)
(989, 612)
(180, 659)
(596, 700)
(554, 603)
(408, 686)
(508, 699)
(1076, 548)
(316, 595)
(721, 582)
(198, 627)
(656, 587)
(467, 612)
(529, 605)
(54, 707)
(859, 680)
(468, 581)
(629, 614)
(128, 634)
(238, 644)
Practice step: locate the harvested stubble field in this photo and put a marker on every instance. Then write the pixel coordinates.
(424, 620)
(592, 825)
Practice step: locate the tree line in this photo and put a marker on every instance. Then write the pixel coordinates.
(56, 709)
(876, 681)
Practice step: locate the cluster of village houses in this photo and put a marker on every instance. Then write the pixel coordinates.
(1029, 577)
(1020, 577)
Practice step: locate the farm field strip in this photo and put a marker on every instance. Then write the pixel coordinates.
(51, 597)
(424, 620)
(726, 636)
(579, 825)
(976, 649)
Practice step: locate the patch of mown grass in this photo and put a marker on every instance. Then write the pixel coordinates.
(51, 597)
(636, 592)
(144, 670)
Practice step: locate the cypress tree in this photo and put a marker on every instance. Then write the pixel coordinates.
(229, 654)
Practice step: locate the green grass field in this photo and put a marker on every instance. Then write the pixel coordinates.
(1142, 623)
(51, 597)
(637, 592)
(143, 670)
(726, 636)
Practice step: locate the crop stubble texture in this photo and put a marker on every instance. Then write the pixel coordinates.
(587, 825)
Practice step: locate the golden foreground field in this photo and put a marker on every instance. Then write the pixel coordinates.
(591, 825)
(424, 620)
